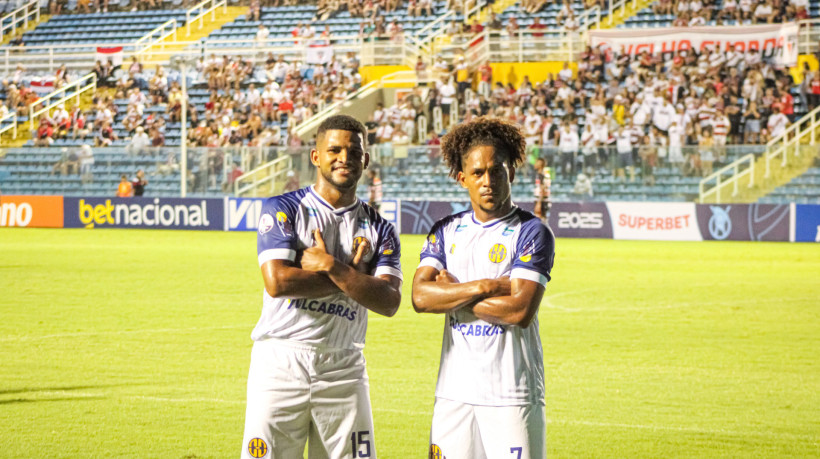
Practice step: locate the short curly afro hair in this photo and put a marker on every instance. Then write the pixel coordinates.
(484, 131)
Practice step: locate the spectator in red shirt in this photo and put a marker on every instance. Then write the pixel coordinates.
(234, 174)
(537, 25)
(787, 103)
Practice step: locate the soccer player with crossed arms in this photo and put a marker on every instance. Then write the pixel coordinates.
(326, 259)
(486, 269)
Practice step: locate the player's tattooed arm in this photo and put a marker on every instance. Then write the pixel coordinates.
(284, 280)
(517, 308)
(439, 292)
(380, 294)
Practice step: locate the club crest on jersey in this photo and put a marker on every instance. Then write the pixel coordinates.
(498, 253)
(359, 241)
(257, 447)
(435, 452)
(265, 223)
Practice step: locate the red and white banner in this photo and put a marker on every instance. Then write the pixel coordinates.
(42, 87)
(318, 54)
(654, 221)
(777, 42)
(114, 53)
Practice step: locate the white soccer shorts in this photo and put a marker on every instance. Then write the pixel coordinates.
(462, 431)
(299, 393)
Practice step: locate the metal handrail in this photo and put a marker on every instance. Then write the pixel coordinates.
(200, 17)
(151, 42)
(26, 9)
(13, 126)
(779, 146)
(33, 114)
(734, 167)
(255, 183)
(775, 147)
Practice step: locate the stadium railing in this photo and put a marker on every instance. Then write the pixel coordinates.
(144, 47)
(738, 170)
(46, 103)
(787, 147)
(10, 118)
(10, 22)
(809, 36)
(801, 132)
(265, 180)
(614, 6)
(198, 13)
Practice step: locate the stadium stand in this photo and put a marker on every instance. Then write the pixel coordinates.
(234, 106)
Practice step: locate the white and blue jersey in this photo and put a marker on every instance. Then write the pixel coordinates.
(483, 363)
(285, 230)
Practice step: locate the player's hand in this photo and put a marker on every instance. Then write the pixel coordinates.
(358, 262)
(316, 258)
(496, 287)
(445, 277)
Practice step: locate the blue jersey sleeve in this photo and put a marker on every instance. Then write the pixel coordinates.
(433, 252)
(276, 239)
(534, 252)
(387, 259)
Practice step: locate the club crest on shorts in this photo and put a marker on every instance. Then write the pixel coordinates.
(435, 452)
(498, 253)
(257, 447)
(361, 240)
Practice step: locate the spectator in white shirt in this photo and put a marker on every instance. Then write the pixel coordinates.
(139, 143)
(568, 144)
(777, 124)
(262, 34)
(623, 143)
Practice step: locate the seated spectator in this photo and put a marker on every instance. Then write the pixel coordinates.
(44, 136)
(583, 187)
(105, 136)
(139, 142)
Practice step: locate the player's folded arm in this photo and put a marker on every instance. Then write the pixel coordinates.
(284, 280)
(432, 296)
(518, 308)
(380, 293)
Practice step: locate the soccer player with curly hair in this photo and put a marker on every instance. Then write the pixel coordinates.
(486, 269)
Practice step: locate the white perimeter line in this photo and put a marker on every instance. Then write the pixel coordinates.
(121, 332)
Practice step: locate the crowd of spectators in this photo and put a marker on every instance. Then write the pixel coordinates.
(617, 113)
(701, 12)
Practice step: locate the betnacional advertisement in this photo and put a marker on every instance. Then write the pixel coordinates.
(654, 221)
(156, 213)
(806, 223)
(31, 211)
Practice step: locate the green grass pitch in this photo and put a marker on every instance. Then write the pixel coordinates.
(130, 343)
